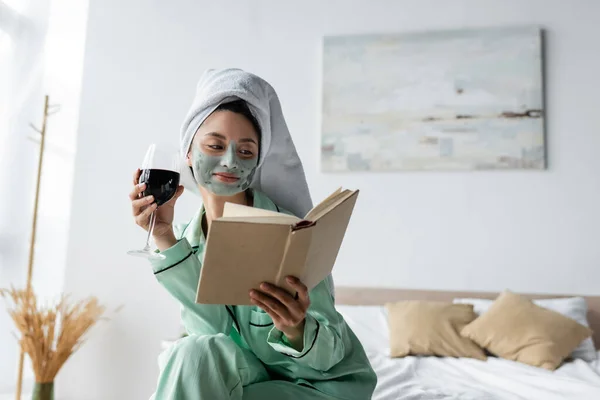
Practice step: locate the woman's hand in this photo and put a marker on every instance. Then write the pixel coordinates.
(288, 313)
(142, 208)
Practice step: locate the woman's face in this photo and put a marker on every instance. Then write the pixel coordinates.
(224, 153)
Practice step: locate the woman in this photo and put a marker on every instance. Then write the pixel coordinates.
(237, 149)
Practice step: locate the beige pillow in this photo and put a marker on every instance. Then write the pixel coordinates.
(431, 329)
(517, 329)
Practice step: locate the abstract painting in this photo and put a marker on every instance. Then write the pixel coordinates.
(447, 100)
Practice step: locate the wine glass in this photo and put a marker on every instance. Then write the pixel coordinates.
(160, 172)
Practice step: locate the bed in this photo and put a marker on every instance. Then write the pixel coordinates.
(445, 378)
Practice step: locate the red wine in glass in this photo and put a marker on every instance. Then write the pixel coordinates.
(160, 183)
(160, 173)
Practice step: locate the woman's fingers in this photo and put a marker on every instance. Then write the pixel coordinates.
(265, 308)
(137, 189)
(139, 204)
(179, 191)
(142, 218)
(136, 176)
(301, 289)
(285, 298)
(142, 207)
(274, 305)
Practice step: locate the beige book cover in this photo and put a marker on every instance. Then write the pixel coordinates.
(248, 246)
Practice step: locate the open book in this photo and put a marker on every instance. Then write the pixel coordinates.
(248, 246)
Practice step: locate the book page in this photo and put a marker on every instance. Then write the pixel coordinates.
(322, 204)
(333, 203)
(278, 220)
(252, 214)
(329, 203)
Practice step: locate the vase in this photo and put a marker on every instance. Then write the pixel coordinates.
(43, 391)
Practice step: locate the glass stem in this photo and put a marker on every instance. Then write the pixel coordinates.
(152, 220)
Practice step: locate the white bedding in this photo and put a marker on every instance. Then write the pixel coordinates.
(426, 378)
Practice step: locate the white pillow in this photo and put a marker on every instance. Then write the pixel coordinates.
(370, 325)
(572, 307)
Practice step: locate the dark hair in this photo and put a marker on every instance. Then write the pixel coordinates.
(241, 107)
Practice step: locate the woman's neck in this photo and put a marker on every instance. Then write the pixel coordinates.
(214, 205)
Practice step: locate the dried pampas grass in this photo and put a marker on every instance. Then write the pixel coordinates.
(50, 334)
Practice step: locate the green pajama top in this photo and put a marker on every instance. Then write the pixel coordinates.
(332, 361)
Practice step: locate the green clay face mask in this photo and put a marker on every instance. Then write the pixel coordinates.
(224, 175)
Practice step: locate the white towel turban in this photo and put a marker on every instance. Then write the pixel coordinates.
(279, 174)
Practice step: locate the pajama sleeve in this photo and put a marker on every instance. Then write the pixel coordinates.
(324, 330)
(179, 273)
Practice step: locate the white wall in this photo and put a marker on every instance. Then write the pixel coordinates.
(49, 40)
(529, 231)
